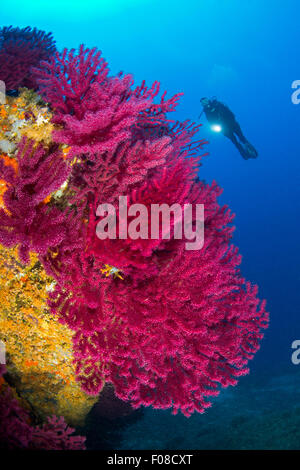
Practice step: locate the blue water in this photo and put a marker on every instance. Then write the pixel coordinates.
(245, 53)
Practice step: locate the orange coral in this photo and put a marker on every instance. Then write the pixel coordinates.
(39, 349)
(8, 161)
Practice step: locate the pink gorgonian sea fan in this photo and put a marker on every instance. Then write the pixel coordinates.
(21, 49)
(26, 221)
(180, 324)
(96, 112)
(166, 326)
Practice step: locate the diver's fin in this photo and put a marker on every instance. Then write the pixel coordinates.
(250, 150)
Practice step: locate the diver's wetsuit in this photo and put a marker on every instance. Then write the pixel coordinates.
(218, 113)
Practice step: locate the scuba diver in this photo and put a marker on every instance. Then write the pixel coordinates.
(223, 120)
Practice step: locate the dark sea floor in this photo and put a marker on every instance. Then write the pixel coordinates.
(261, 412)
